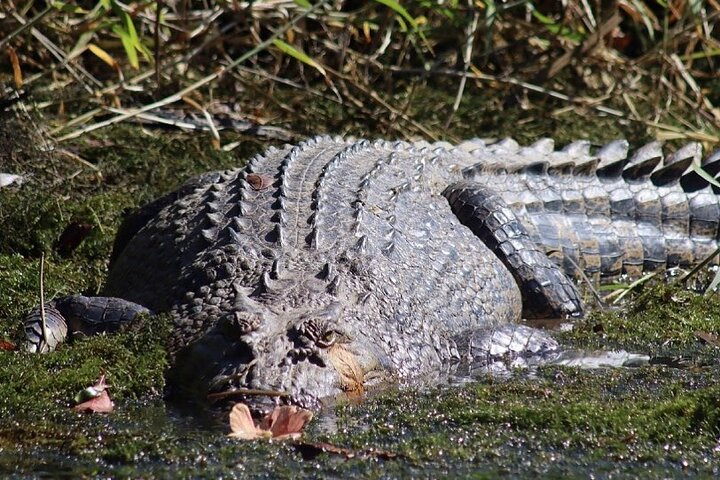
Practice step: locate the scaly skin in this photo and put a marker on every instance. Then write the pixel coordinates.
(335, 265)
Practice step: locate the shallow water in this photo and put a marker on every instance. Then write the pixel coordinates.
(443, 432)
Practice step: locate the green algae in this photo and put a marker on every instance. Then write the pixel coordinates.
(654, 420)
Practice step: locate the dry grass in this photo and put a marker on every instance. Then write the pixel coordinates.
(651, 62)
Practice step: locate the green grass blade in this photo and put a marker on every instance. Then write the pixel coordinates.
(400, 10)
(706, 176)
(128, 45)
(288, 49)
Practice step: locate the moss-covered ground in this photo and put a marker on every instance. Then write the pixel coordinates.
(653, 421)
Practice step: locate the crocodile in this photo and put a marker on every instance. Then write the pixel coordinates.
(338, 265)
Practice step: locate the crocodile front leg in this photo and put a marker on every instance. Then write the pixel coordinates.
(76, 315)
(546, 290)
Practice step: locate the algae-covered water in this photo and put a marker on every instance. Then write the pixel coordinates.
(660, 420)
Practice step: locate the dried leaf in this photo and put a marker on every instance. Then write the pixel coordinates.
(99, 404)
(242, 425)
(287, 422)
(259, 182)
(17, 71)
(9, 346)
(104, 56)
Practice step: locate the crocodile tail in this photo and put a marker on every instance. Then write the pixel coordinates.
(608, 211)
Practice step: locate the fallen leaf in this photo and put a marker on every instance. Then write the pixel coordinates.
(259, 182)
(5, 345)
(99, 404)
(94, 399)
(283, 423)
(287, 422)
(242, 425)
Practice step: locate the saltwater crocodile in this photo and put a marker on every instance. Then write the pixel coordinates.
(337, 264)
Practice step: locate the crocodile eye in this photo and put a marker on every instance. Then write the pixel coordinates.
(328, 339)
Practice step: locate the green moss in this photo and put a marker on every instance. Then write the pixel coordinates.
(663, 320)
(655, 421)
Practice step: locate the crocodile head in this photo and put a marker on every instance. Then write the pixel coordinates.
(265, 356)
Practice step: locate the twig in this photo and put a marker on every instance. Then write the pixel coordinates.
(204, 81)
(43, 322)
(467, 58)
(592, 40)
(158, 9)
(56, 52)
(24, 25)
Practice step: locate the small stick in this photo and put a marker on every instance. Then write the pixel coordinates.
(42, 302)
(198, 84)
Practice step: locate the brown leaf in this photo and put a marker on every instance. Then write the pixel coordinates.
(242, 425)
(287, 422)
(17, 71)
(259, 182)
(99, 404)
(9, 346)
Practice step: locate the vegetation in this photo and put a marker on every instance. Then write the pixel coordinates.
(99, 78)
